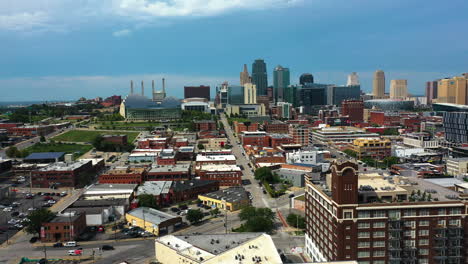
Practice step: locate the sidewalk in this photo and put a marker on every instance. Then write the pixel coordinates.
(94, 242)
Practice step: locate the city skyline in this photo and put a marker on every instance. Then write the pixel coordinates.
(51, 57)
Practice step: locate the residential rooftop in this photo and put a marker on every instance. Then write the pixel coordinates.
(218, 167)
(215, 158)
(64, 166)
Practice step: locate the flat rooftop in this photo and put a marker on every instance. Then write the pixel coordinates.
(170, 168)
(230, 195)
(154, 187)
(65, 218)
(215, 158)
(218, 167)
(151, 215)
(63, 166)
(110, 189)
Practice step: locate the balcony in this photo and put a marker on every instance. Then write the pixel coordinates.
(439, 238)
(440, 257)
(455, 237)
(394, 238)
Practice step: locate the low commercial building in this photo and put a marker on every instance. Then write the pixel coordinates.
(226, 175)
(31, 131)
(185, 153)
(101, 211)
(152, 143)
(219, 248)
(123, 175)
(179, 172)
(306, 157)
(189, 190)
(61, 174)
(110, 191)
(341, 136)
(115, 139)
(419, 170)
(276, 126)
(215, 159)
(457, 167)
(143, 157)
(245, 126)
(372, 148)
(276, 140)
(231, 199)
(44, 157)
(65, 227)
(167, 157)
(153, 221)
(295, 173)
(205, 125)
(254, 138)
(420, 140)
(214, 143)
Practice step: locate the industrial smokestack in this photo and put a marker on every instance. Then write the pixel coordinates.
(164, 85)
(142, 89)
(131, 87)
(152, 84)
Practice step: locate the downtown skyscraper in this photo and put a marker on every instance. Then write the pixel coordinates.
(281, 80)
(244, 76)
(378, 85)
(259, 76)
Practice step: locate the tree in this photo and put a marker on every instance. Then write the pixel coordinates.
(215, 212)
(13, 152)
(194, 215)
(350, 152)
(257, 219)
(43, 139)
(147, 200)
(200, 146)
(36, 218)
(263, 174)
(296, 221)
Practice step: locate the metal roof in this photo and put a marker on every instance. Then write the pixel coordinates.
(45, 155)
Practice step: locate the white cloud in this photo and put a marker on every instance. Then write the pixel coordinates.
(23, 21)
(122, 33)
(63, 15)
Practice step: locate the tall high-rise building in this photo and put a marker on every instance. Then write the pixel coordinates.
(280, 82)
(431, 90)
(378, 85)
(456, 127)
(259, 76)
(306, 78)
(250, 93)
(452, 90)
(353, 79)
(244, 76)
(398, 89)
(201, 91)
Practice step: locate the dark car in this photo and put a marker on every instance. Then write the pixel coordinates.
(264, 192)
(58, 244)
(107, 247)
(15, 214)
(33, 239)
(175, 209)
(183, 207)
(291, 195)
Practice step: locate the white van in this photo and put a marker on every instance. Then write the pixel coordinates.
(70, 244)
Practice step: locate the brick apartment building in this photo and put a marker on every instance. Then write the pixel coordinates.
(167, 157)
(255, 138)
(205, 125)
(245, 126)
(61, 174)
(123, 175)
(276, 140)
(354, 109)
(385, 119)
(277, 127)
(179, 172)
(31, 131)
(152, 143)
(372, 219)
(300, 134)
(63, 228)
(226, 175)
(115, 139)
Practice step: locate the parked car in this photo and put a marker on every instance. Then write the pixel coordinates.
(70, 244)
(75, 252)
(183, 207)
(107, 247)
(58, 244)
(7, 209)
(31, 209)
(175, 209)
(33, 239)
(15, 214)
(15, 203)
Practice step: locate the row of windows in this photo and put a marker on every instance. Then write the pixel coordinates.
(408, 212)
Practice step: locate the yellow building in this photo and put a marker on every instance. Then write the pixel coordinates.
(214, 143)
(152, 220)
(453, 91)
(231, 199)
(398, 89)
(219, 248)
(372, 147)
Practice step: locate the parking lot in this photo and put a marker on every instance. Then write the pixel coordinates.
(15, 208)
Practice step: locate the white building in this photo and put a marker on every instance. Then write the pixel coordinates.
(420, 140)
(457, 167)
(405, 152)
(305, 156)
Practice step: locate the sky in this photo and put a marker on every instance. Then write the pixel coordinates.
(66, 49)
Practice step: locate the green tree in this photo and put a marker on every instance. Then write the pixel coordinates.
(296, 221)
(13, 152)
(264, 174)
(147, 200)
(256, 219)
(215, 212)
(194, 215)
(350, 152)
(200, 146)
(43, 139)
(36, 218)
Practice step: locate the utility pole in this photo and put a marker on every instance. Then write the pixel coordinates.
(45, 252)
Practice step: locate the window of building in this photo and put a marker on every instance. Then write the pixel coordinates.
(423, 261)
(378, 225)
(423, 251)
(379, 213)
(394, 214)
(423, 212)
(455, 211)
(363, 254)
(363, 214)
(424, 223)
(441, 222)
(454, 222)
(411, 224)
(379, 262)
(363, 234)
(423, 242)
(378, 253)
(347, 214)
(362, 225)
(423, 232)
(364, 244)
(409, 212)
(379, 234)
(441, 211)
(378, 244)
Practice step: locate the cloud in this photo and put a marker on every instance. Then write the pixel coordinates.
(122, 33)
(23, 21)
(66, 15)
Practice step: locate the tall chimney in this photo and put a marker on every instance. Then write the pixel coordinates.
(142, 89)
(154, 92)
(131, 87)
(164, 86)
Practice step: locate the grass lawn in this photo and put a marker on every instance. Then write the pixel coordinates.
(88, 136)
(76, 149)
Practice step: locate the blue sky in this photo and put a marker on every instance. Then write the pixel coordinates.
(64, 49)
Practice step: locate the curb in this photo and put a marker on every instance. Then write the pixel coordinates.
(95, 242)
